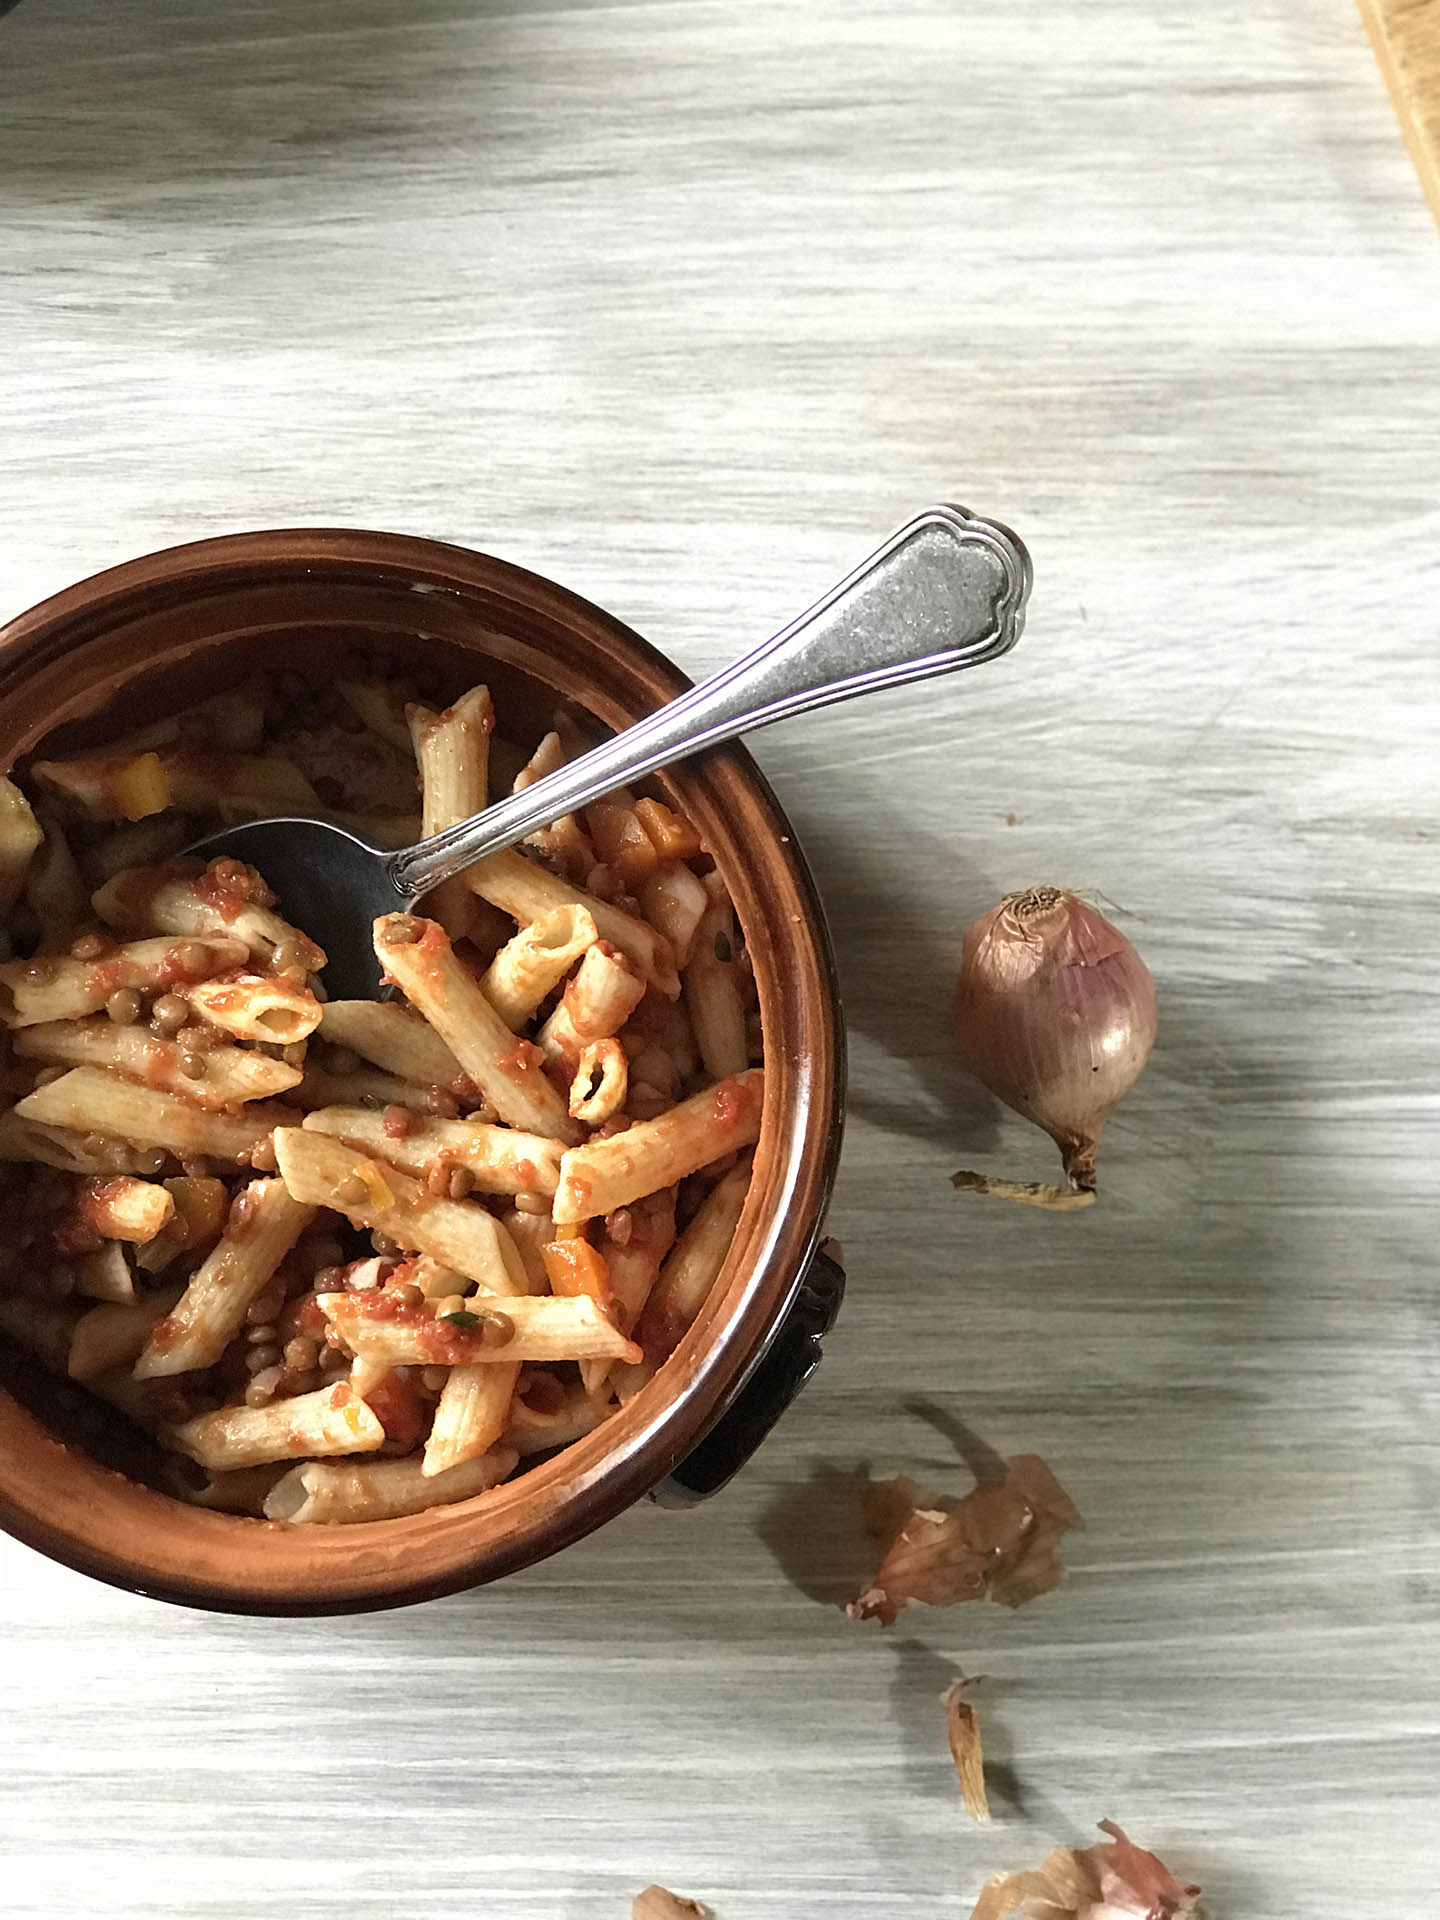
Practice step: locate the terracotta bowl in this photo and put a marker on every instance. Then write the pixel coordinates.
(139, 640)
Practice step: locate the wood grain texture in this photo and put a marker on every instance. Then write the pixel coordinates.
(1406, 38)
(686, 305)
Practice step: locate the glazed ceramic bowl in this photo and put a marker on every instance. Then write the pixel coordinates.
(144, 638)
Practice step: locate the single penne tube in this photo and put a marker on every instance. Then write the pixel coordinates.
(532, 965)
(263, 1225)
(366, 1088)
(610, 1173)
(243, 1491)
(106, 1274)
(61, 1147)
(223, 1077)
(632, 1266)
(471, 1414)
(498, 1159)
(674, 901)
(601, 1082)
(120, 1208)
(273, 1012)
(112, 1336)
(526, 891)
(452, 751)
(108, 786)
(68, 989)
(594, 1006)
(332, 1420)
(394, 1037)
(381, 708)
(323, 1172)
(578, 1414)
(124, 786)
(379, 1326)
(712, 997)
(225, 897)
(564, 842)
(233, 720)
(416, 954)
(690, 1270)
(20, 838)
(138, 843)
(531, 1233)
(327, 1494)
(55, 890)
(89, 1100)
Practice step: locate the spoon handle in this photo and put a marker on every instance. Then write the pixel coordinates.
(947, 591)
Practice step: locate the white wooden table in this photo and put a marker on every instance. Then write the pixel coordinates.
(686, 305)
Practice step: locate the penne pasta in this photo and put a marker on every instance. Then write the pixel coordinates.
(112, 1336)
(452, 750)
(124, 786)
(674, 901)
(106, 1275)
(223, 1077)
(594, 1006)
(610, 1173)
(526, 891)
(20, 837)
(379, 1326)
(268, 1011)
(88, 1100)
(395, 1038)
(55, 890)
(531, 1233)
(263, 1225)
(498, 1159)
(471, 1414)
(122, 1208)
(332, 1420)
(416, 954)
(601, 1082)
(687, 1276)
(323, 1494)
(712, 998)
(528, 968)
(62, 1147)
(322, 1172)
(381, 708)
(562, 844)
(232, 720)
(68, 989)
(224, 897)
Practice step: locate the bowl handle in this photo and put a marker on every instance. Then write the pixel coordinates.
(785, 1366)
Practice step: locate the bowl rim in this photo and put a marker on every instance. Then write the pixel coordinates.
(595, 1478)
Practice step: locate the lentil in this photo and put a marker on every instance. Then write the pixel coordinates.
(169, 1014)
(124, 1006)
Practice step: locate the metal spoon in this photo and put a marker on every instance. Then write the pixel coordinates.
(947, 591)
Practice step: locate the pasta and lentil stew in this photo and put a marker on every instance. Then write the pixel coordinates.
(353, 1259)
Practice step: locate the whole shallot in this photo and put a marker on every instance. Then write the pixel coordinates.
(1055, 1011)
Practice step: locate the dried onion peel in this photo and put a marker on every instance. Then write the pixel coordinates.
(997, 1543)
(1108, 1881)
(1055, 1013)
(658, 1903)
(962, 1725)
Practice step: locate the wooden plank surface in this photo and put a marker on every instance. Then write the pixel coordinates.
(1406, 38)
(687, 304)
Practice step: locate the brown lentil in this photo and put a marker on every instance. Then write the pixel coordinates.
(289, 954)
(262, 1157)
(460, 1183)
(260, 1359)
(264, 1309)
(384, 1245)
(124, 1006)
(351, 1191)
(531, 1203)
(433, 1378)
(409, 1294)
(169, 1014)
(496, 1329)
(619, 1226)
(302, 1353)
(264, 1334)
(261, 1390)
(89, 946)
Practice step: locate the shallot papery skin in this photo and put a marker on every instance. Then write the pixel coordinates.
(1114, 1880)
(1055, 1012)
